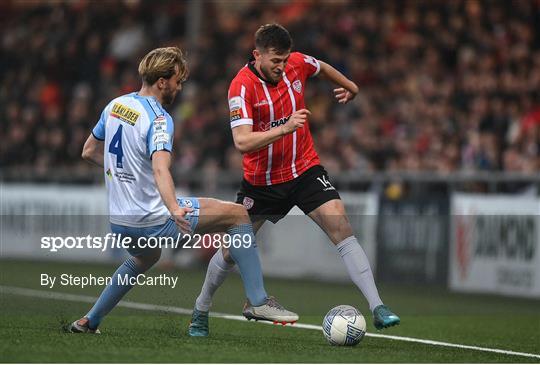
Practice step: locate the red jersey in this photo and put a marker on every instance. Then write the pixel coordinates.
(263, 105)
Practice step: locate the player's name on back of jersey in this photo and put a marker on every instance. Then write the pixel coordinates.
(82, 281)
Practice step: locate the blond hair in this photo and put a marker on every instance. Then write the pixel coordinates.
(162, 62)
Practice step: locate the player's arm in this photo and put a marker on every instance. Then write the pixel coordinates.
(93, 151)
(245, 140)
(93, 147)
(348, 89)
(161, 166)
(241, 118)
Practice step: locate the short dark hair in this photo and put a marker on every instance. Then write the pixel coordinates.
(273, 36)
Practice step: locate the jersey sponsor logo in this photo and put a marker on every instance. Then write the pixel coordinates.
(297, 86)
(160, 124)
(277, 123)
(327, 185)
(248, 202)
(125, 177)
(125, 113)
(161, 137)
(235, 115)
(235, 103)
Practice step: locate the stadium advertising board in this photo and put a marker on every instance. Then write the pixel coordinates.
(412, 236)
(495, 245)
(296, 247)
(30, 213)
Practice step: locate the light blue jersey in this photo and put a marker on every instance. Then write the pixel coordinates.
(133, 127)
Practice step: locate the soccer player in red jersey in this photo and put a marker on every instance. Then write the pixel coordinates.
(270, 127)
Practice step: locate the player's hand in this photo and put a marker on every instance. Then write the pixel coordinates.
(343, 95)
(297, 120)
(179, 218)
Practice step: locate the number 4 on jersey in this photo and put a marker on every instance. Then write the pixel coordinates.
(115, 147)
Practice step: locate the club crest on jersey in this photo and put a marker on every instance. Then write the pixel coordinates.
(297, 86)
(248, 202)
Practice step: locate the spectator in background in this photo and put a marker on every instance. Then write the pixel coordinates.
(445, 86)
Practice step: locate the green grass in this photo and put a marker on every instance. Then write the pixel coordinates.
(31, 328)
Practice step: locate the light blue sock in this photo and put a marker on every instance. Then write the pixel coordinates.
(112, 294)
(249, 264)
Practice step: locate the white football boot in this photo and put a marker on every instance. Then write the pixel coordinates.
(270, 311)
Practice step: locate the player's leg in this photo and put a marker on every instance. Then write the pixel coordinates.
(219, 267)
(321, 202)
(216, 216)
(331, 217)
(221, 216)
(116, 289)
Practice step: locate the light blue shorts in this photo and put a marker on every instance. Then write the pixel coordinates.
(167, 229)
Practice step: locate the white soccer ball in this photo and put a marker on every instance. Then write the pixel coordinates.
(344, 326)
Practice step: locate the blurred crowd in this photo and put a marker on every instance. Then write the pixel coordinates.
(445, 85)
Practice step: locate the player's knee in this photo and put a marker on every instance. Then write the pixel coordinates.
(338, 229)
(342, 233)
(155, 258)
(148, 260)
(239, 214)
(227, 255)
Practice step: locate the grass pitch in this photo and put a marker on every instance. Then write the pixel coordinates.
(31, 328)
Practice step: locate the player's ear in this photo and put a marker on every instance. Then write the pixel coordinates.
(256, 53)
(161, 83)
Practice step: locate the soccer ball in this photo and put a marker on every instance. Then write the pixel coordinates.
(344, 326)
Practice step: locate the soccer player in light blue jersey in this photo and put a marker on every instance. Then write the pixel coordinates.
(133, 142)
